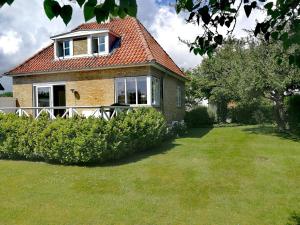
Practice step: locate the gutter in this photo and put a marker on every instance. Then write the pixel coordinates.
(154, 64)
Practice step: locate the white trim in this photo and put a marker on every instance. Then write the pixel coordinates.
(50, 83)
(78, 34)
(161, 68)
(149, 91)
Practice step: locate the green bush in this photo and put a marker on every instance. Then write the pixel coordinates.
(293, 110)
(79, 140)
(198, 117)
(252, 113)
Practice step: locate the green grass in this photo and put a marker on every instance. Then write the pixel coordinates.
(232, 175)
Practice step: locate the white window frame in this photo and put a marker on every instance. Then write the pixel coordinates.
(148, 86)
(66, 48)
(63, 42)
(106, 44)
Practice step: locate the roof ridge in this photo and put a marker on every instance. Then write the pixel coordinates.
(28, 59)
(141, 25)
(145, 44)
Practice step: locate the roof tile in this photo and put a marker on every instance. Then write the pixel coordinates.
(137, 47)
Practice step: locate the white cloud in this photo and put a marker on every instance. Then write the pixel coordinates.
(167, 27)
(10, 43)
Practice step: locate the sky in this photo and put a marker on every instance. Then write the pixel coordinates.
(25, 29)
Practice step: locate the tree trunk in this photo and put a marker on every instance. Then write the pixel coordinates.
(280, 114)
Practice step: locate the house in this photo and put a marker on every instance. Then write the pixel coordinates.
(102, 64)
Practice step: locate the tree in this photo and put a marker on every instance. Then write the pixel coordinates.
(266, 77)
(91, 9)
(282, 22)
(245, 71)
(216, 77)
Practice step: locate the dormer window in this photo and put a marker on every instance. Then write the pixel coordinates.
(85, 44)
(64, 48)
(98, 45)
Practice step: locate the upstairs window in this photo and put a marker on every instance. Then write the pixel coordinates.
(64, 49)
(98, 44)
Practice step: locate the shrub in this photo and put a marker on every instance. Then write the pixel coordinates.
(252, 113)
(198, 117)
(79, 140)
(293, 110)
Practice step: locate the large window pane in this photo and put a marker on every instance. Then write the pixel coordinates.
(95, 47)
(101, 44)
(66, 48)
(131, 90)
(142, 90)
(120, 90)
(155, 84)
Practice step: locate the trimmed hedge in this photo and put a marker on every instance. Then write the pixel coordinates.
(80, 140)
(293, 110)
(198, 117)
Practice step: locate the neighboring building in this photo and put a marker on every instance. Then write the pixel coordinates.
(99, 65)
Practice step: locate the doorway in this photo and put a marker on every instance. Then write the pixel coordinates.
(50, 95)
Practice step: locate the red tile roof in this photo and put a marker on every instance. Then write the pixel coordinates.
(137, 47)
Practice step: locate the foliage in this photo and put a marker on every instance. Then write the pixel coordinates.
(198, 117)
(282, 22)
(293, 110)
(6, 94)
(247, 71)
(91, 9)
(79, 140)
(177, 129)
(255, 112)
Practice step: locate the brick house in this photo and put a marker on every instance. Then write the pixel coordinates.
(100, 65)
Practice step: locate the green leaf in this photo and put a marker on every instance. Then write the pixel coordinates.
(189, 5)
(2, 2)
(248, 9)
(89, 9)
(274, 35)
(218, 39)
(9, 1)
(52, 8)
(66, 13)
(269, 5)
(80, 2)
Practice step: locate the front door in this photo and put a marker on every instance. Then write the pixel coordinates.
(44, 97)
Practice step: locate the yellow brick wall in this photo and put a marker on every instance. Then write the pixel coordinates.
(96, 88)
(168, 103)
(80, 46)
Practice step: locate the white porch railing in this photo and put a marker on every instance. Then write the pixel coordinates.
(105, 112)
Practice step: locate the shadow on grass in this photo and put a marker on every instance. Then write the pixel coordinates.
(197, 132)
(294, 219)
(162, 149)
(272, 131)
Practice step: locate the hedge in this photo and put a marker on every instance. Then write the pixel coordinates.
(198, 117)
(293, 110)
(80, 140)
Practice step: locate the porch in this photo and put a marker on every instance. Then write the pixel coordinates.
(105, 112)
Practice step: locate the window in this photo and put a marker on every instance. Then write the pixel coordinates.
(179, 96)
(142, 90)
(120, 91)
(98, 44)
(63, 48)
(131, 90)
(66, 48)
(155, 84)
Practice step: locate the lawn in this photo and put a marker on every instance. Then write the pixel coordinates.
(233, 175)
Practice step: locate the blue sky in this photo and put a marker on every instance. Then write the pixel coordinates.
(23, 35)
